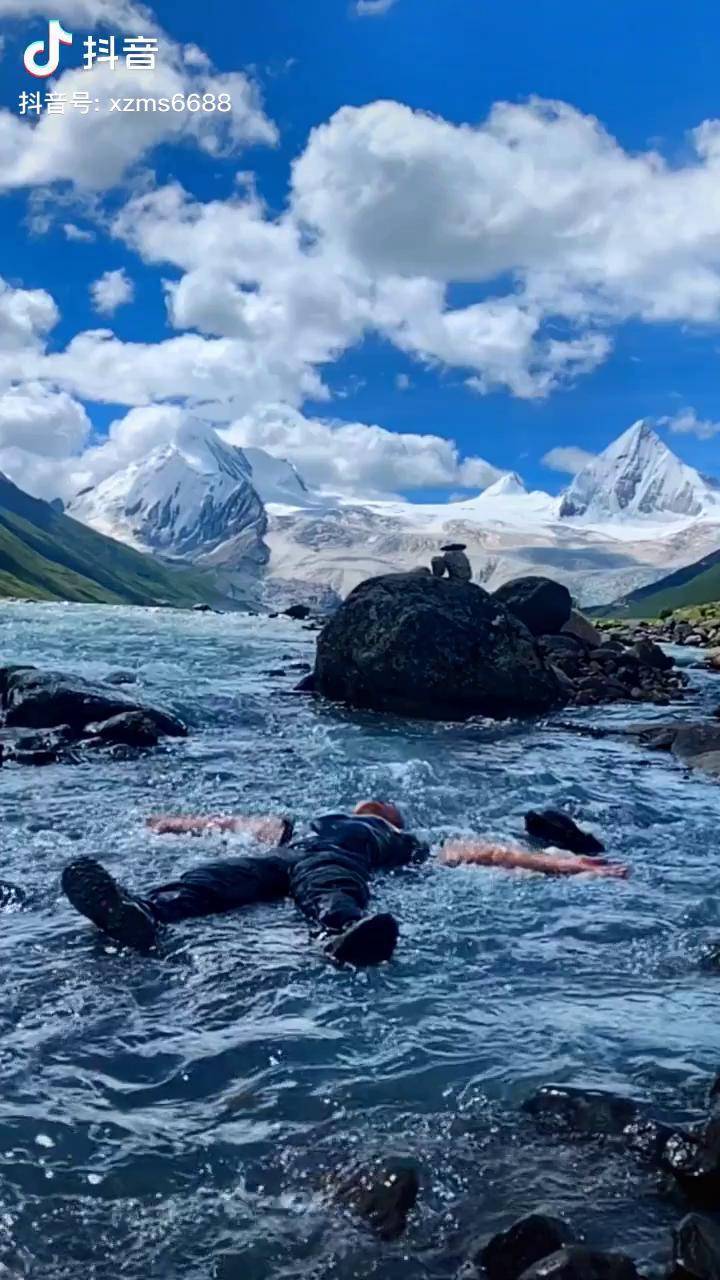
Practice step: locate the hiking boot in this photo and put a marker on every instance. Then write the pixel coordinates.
(96, 895)
(370, 941)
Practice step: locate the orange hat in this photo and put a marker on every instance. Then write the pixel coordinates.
(380, 809)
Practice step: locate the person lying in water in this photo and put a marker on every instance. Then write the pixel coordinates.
(327, 873)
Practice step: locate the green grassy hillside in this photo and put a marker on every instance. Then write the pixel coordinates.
(45, 555)
(696, 584)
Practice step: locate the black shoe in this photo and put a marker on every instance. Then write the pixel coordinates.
(97, 896)
(370, 941)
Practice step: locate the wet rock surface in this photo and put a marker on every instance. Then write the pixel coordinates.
(579, 1263)
(383, 1194)
(696, 1248)
(507, 1255)
(431, 648)
(542, 605)
(68, 715)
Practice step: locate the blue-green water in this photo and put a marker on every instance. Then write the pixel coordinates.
(177, 1119)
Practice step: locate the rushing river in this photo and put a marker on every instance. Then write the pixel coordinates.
(178, 1118)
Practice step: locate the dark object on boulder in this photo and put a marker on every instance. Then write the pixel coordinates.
(694, 1161)
(543, 605)
(202, 608)
(526, 1242)
(696, 1248)
(552, 827)
(299, 611)
(454, 546)
(131, 729)
(11, 895)
(382, 1194)
(588, 1111)
(43, 699)
(579, 1263)
(431, 648)
(307, 684)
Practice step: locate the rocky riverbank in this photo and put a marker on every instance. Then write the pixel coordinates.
(422, 646)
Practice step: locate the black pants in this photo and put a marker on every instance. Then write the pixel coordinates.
(329, 885)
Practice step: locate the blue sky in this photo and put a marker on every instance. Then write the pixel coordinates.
(623, 325)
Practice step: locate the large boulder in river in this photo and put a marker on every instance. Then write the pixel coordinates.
(428, 647)
(543, 605)
(527, 1241)
(579, 1263)
(35, 699)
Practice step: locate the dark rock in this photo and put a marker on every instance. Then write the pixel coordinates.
(121, 677)
(299, 666)
(299, 611)
(650, 654)
(36, 758)
(202, 608)
(526, 1242)
(552, 827)
(694, 1161)
(432, 648)
(383, 1194)
(131, 729)
(696, 1248)
(11, 895)
(586, 1111)
(542, 605)
(579, 1263)
(39, 700)
(307, 684)
(580, 626)
(50, 740)
(563, 646)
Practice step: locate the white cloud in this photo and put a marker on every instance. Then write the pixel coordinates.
(40, 430)
(403, 382)
(687, 423)
(373, 8)
(94, 152)
(81, 235)
(355, 458)
(26, 315)
(112, 290)
(569, 459)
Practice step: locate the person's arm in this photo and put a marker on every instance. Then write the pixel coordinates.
(270, 830)
(475, 853)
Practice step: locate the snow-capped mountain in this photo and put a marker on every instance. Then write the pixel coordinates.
(193, 498)
(638, 476)
(632, 515)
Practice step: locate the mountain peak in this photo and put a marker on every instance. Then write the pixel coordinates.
(507, 486)
(637, 476)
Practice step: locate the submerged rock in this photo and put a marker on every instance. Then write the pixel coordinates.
(579, 1263)
(383, 1194)
(299, 611)
(431, 648)
(696, 745)
(542, 605)
(585, 1111)
(694, 1161)
(11, 895)
(696, 1248)
(555, 828)
(131, 729)
(507, 1255)
(44, 699)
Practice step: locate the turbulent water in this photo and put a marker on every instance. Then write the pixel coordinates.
(181, 1118)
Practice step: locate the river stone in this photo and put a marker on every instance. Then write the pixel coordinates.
(554, 828)
(529, 1240)
(583, 629)
(585, 1111)
(131, 729)
(43, 699)
(579, 1263)
(542, 605)
(298, 611)
(696, 1251)
(431, 648)
(651, 655)
(694, 1161)
(383, 1194)
(11, 895)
